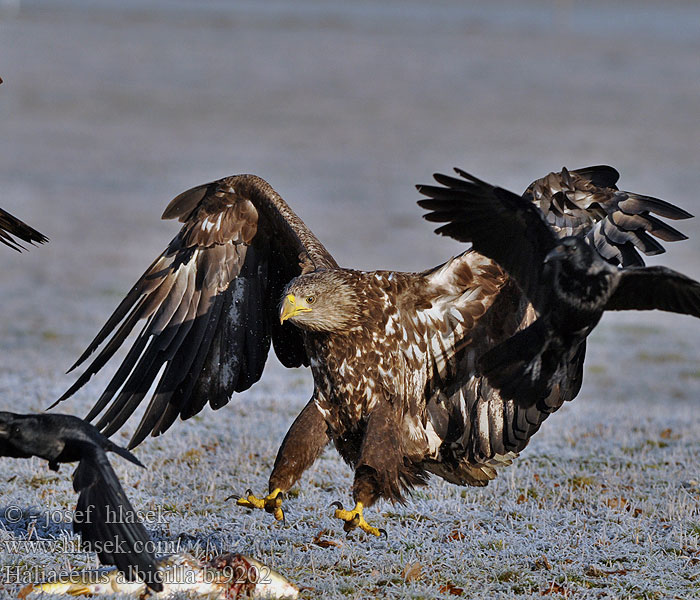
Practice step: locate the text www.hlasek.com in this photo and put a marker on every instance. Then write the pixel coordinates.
(75, 546)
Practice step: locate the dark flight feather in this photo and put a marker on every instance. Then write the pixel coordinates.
(656, 288)
(117, 534)
(12, 226)
(208, 304)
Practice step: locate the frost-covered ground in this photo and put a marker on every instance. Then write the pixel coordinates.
(106, 113)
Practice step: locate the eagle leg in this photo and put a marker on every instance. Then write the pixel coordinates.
(379, 469)
(272, 503)
(354, 519)
(304, 442)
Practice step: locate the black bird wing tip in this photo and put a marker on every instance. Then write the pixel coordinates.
(124, 453)
(135, 461)
(55, 404)
(12, 226)
(99, 488)
(462, 173)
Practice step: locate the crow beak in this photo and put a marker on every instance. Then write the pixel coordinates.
(290, 308)
(557, 253)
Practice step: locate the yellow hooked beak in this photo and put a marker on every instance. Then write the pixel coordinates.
(291, 308)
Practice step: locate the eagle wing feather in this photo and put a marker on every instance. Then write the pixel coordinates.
(209, 307)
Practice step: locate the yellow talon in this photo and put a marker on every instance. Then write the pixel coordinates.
(353, 519)
(272, 503)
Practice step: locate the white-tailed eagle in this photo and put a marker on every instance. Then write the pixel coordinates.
(392, 354)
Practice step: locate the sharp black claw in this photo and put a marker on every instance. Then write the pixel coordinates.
(337, 505)
(249, 492)
(235, 496)
(383, 531)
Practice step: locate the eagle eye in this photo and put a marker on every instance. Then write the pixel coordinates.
(310, 299)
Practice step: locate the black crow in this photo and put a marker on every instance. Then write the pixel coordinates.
(104, 516)
(567, 281)
(10, 225)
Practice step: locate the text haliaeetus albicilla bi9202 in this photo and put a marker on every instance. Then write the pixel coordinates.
(392, 354)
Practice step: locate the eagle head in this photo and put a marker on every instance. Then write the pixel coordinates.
(321, 301)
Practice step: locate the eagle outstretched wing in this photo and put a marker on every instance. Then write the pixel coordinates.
(616, 223)
(519, 231)
(480, 430)
(209, 303)
(12, 226)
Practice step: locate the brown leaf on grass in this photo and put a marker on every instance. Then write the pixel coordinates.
(412, 571)
(667, 434)
(451, 589)
(543, 563)
(455, 536)
(617, 502)
(555, 588)
(593, 571)
(621, 503)
(319, 541)
(210, 448)
(522, 498)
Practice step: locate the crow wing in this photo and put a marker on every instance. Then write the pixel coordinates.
(582, 202)
(209, 303)
(500, 225)
(107, 522)
(656, 288)
(12, 226)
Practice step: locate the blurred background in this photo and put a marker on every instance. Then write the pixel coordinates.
(110, 108)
